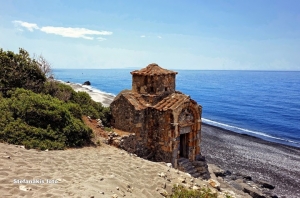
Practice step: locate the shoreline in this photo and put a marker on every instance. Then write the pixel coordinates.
(252, 137)
(243, 153)
(97, 96)
(262, 160)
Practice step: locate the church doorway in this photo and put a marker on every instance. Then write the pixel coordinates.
(183, 145)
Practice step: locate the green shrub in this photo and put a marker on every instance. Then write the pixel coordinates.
(41, 121)
(88, 107)
(182, 192)
(59, 90)
(19, 71)
(42, 114)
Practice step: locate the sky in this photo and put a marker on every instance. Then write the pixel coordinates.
(175, 34)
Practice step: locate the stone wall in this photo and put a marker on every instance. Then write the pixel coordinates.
(154, 84)
(124, 115)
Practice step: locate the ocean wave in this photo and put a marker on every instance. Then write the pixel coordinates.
(242, 130)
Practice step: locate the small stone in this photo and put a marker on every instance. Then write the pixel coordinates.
(163, 192)
(214, 183)
(101, 179)
(181, 180)
(189, 175)
(191, 180)
(169, 165)
(114, 196)
(117, 188)
(195, 188)
(102, 193)
(129, 190)
(162, 174)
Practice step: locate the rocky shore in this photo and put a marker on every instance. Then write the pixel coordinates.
(253, 159)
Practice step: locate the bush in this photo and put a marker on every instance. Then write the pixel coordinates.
(44, 115)
(88, 107)
(182, 192)
(19, 71)
(41, 121)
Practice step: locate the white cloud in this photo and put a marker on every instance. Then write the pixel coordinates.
(74, 32)
(143, 36)
(28, 26)
(159, 37)
(64, 31)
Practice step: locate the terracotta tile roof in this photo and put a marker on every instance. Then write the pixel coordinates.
(152, 69)
(172, 101)
(136, 100)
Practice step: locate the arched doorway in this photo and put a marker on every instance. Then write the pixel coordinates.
(186, 121)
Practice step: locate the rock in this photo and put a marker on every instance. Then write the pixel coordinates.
(24, 188)
(188, 174)
(163, 192)
(265, 184)
(102, 193)
(195, 188)
(114, 196)
(236, 185)
(117, 188)
(214, 183)
(200, 158)
(169, 165)
(87, 83)
(252, 191)
(181, 180)
(162, 174)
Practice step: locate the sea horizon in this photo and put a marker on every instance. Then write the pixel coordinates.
(137, 68)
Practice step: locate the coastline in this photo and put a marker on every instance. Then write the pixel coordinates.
(262, 160)
(241, 153)
(97, 96)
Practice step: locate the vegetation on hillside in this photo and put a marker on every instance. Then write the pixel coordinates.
(41, 113)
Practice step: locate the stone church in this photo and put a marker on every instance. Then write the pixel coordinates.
(165, 124)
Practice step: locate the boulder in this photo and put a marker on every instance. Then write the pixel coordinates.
(252, 191)
(87, 83)
(265, 184)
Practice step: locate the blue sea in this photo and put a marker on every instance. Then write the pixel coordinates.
(264, 104)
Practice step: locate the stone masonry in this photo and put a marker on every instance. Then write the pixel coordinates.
(164, 124)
